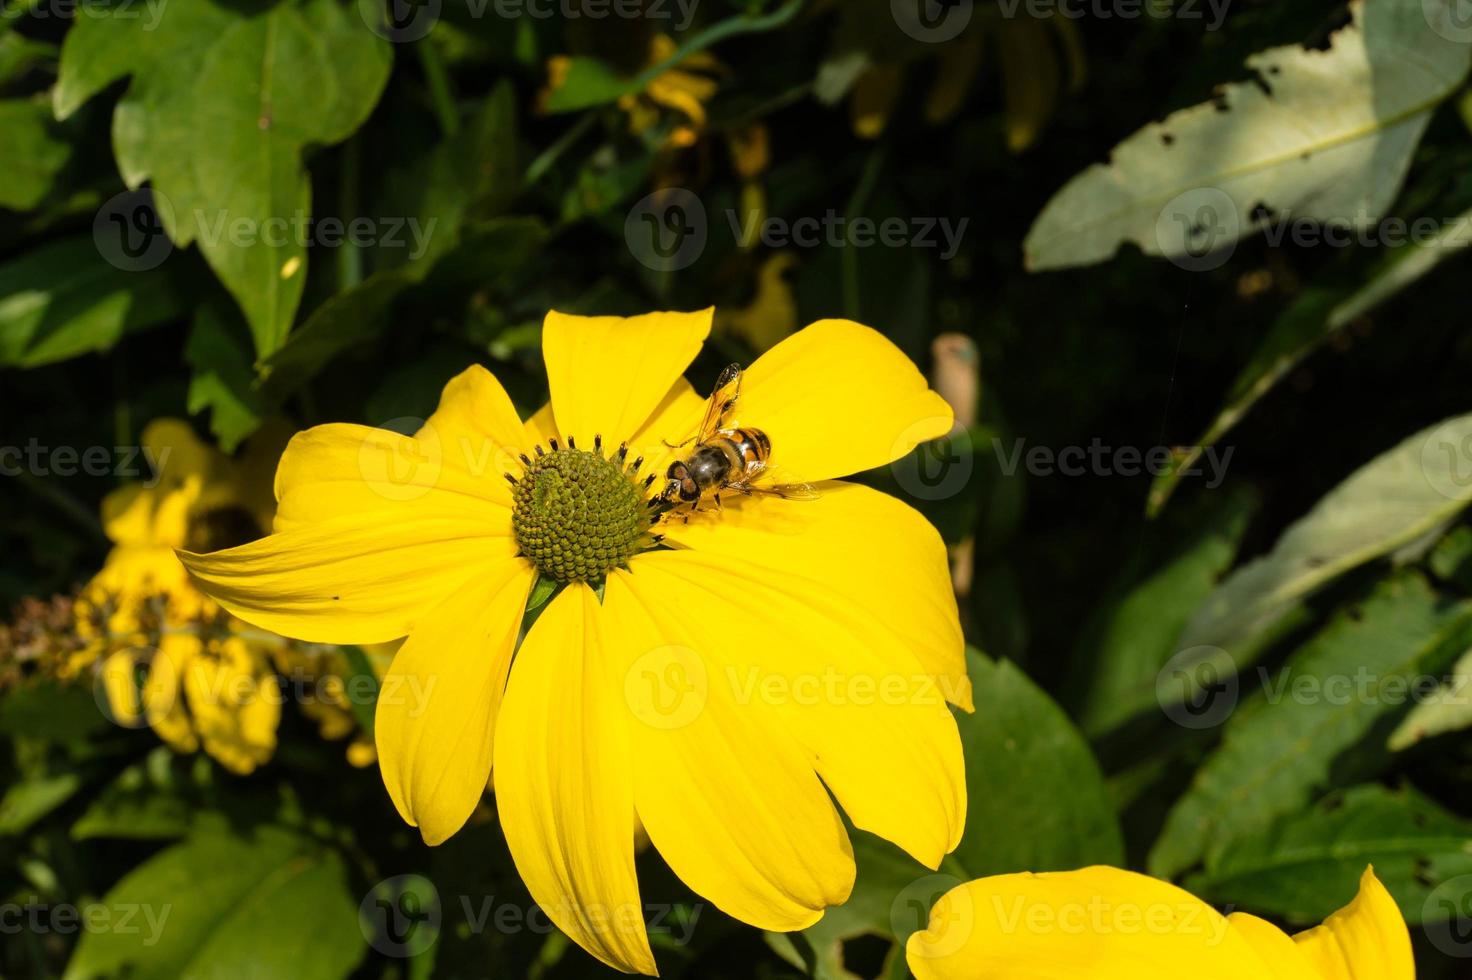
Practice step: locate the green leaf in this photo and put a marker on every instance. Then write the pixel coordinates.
(541, 591)
(360, 315)
(219, 905)
(1307, 865)
(142, 803)
(223, 100)
(32, 153)
(30, 799)
(222, 382)
(361, 678)
(891, 898)
(1447, 709)
(1399, 496)
(1127, 643)
(1310, 729)
(1326, 135)
(1023, 757)
(19, 54)
(63, 299)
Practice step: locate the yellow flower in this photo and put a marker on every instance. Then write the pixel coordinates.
(202, 686)
(680, 91)
(1108, 924)
(714, 688)
(683, 89)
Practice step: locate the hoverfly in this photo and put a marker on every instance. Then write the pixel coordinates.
(726, 458)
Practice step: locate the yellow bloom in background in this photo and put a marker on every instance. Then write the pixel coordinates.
(683, 90)
(207, 681)
(680, 91)
(711, 681)
(1107, 924)
(772, 312)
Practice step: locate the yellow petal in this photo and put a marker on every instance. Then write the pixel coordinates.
(874, 98)
(608, 374)
(1099, 923)
(121, 688)
(127, 515)
(856, 543)
(332, 470)
(235, 703)
(870, 718)
(354, 579)
(163, 691)
(838, 398)
(726, 795)
(1284, 959)
(476, 422)
(437, 703)
(1365, 940)
(565, 783)
(177, 454)
(676, 413)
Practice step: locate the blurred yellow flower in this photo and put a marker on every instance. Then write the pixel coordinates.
(1039, 59)
(679, 92)
(772, 312)
(1108, 924)
(207, 681)
(690, 657)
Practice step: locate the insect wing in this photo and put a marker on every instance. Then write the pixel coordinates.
(774, 481)
(722, 400)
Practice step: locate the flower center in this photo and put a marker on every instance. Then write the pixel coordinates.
(577, 515)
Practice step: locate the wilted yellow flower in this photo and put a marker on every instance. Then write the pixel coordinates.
(1108, 924)
(683, 90)
(713, 681)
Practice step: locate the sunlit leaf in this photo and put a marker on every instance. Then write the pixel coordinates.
(1324, 134)
(223, 100)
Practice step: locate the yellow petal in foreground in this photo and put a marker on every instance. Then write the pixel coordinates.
(330, 471)
(608, 373)
(354, 579)
(565, 782)
(1108, 924)
(1365, 940)
(437, 703)
(839, 398)
(826, 673)
(731, 803)
(858, 543)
